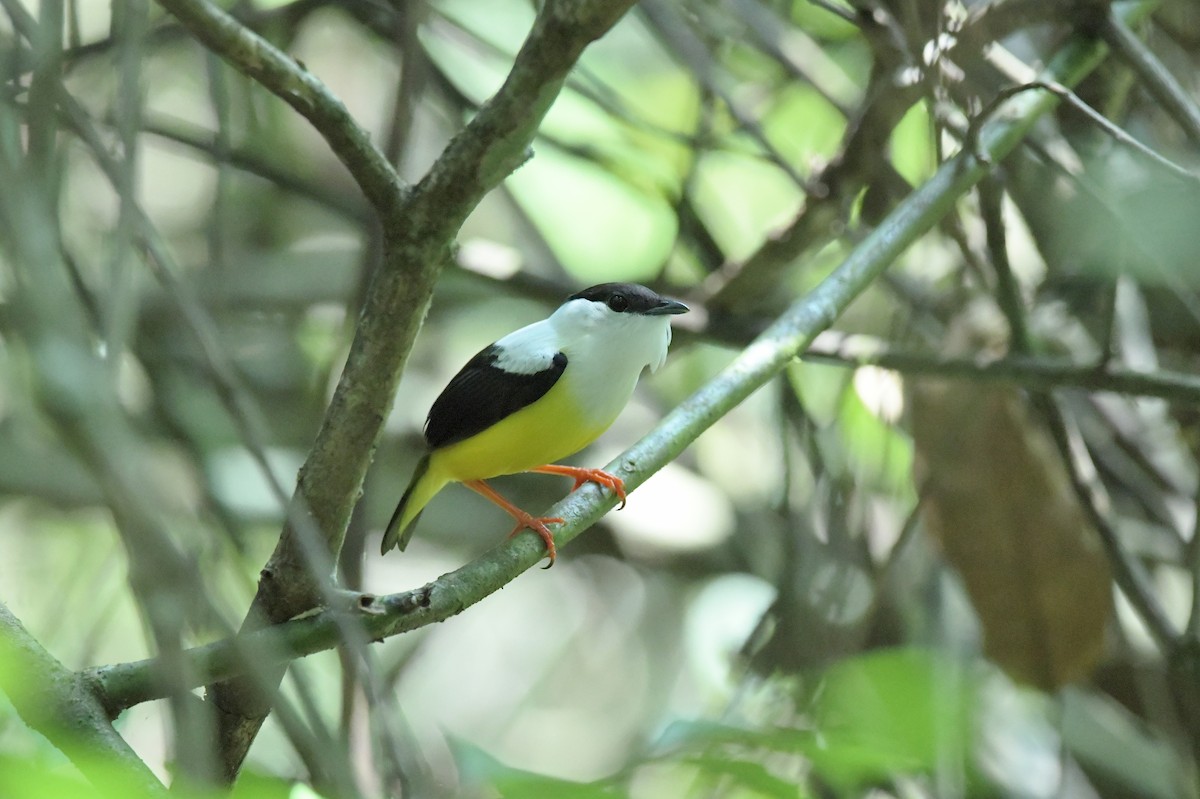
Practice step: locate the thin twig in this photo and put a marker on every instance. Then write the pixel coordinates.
(1128, 571)
(1008, 288)
(75, 389)
(1157, 79)
(1027, 372)
(678, 37)
(291, 82)
(1118, 134)
(1193, 561)
(207, 142)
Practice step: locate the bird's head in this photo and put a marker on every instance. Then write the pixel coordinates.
(627, 317)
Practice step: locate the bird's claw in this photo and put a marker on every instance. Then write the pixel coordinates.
(583, 475)
(538, 525)
(603, 478)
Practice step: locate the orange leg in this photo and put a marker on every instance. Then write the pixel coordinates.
(581, 476)
(524, 520)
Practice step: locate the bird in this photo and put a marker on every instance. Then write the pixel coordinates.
(536, 396)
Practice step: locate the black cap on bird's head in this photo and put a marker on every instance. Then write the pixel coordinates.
(630, 298)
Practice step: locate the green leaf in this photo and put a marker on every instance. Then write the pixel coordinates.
(52, 776)
(752, 776)
(803, 125)
(743, 199)
(480, 768)
(599, 226)
(735, 753)
(254, 785)
(819, 388)
(880, 454)
(820, 22)
(912, 146)
(24, 777)
(475, 70)
(893, 711)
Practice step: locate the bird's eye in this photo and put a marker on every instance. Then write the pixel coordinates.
(618, 303)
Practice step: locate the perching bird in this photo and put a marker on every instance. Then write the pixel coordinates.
(537, 395)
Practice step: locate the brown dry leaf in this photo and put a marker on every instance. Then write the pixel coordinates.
(997, 498)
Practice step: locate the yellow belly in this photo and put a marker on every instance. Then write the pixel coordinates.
(546, 431)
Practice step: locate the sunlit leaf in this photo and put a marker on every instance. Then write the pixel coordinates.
(819, 21)
(819, 388)
(478, 68)
(743, 199)
(879, 454)
(803, 125)
(893, 711)
(38, 778)
(750, 775)
(912, 145)
(477, 767)
(599, 227)
(252, 784)
(23, 778)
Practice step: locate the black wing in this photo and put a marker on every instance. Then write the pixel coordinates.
(482, 394)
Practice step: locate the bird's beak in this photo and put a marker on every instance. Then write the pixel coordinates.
(666, 306)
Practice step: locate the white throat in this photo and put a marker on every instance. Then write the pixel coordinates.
(606, 352)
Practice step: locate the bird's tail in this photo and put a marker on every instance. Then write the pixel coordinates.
(422, 488)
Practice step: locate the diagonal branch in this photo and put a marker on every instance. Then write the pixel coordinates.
(65, 707)
(1154, 75)
(261, 61)
(764, 358)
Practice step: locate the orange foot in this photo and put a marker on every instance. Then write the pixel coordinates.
(524, 520)
(581, 476)
(538, 524)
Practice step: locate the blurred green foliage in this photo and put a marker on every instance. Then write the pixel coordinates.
(770, 623)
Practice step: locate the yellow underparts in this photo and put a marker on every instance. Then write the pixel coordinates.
(546, 431)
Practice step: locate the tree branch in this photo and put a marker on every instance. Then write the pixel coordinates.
(1128, 571)
(419, 227)
(64, 707)
(1028, 372)
(261, 61)
(765, 357)
(1154, 75)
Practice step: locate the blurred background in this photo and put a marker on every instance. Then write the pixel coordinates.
(887, 573)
